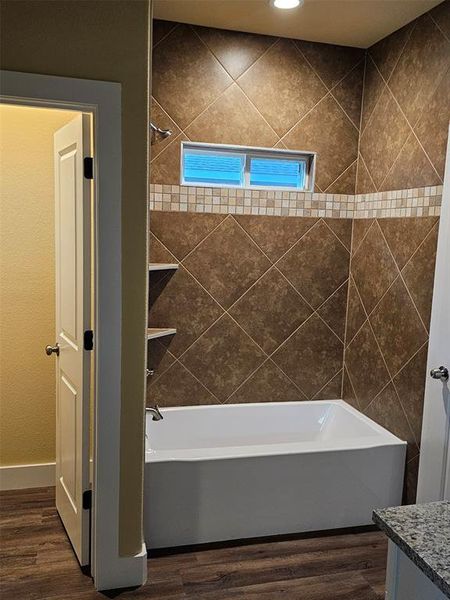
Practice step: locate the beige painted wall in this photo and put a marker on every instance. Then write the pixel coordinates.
(105, 40)
(27, 283)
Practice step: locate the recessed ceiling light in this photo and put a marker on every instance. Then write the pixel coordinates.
(285, 4)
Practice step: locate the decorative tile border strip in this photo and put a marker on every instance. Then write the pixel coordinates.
(425, 201)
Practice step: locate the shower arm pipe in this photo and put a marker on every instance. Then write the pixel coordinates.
(163, 132)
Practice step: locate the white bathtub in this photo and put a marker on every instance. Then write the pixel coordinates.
(237, 471)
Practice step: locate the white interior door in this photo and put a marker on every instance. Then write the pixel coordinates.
(73, 319)
(434, 468)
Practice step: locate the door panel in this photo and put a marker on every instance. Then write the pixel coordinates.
(68, 242)
(434, 468)
(73, 317)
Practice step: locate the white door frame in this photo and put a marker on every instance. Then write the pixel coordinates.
(103, 100)
(434, 466)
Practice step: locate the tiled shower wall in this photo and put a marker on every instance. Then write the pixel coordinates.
(255, 90)
(406, 106)
(404, 127)
(259, 305)
(388, 316)
(260, 300)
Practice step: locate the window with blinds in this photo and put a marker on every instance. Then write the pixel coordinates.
(235, 166)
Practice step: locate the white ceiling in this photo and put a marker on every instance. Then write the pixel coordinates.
(348, 22)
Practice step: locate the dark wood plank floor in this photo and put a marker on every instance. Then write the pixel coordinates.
(37, 563)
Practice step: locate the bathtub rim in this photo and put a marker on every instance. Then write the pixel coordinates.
(384, 438)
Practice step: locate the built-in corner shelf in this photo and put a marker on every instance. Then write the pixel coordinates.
(162, 266)
(157, 332)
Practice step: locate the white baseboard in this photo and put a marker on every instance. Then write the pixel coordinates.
(19, 477)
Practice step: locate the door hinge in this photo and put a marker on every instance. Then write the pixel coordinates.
(88, 339)
(88, 167)
(87, 499)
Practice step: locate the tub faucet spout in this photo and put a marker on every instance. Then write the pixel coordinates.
(155, 412)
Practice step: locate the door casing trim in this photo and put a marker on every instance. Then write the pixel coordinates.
(103, 100)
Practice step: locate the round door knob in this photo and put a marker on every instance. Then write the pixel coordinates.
(49, 350)
(440, 373)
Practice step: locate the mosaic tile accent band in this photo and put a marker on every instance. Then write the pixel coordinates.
(416, 202)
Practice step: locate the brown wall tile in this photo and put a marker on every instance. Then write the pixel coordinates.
(404, 236)
(267, 384)
(171, 305)
(275, 235)
(223, 357)
(311, 356)
(181, 232)
(421, 66)
(400, 334)
(328, 131)
(333, 311)
(432, 127)
(412, 168)
(232, 119)
(383, 137)
(178, 387)
(355, 312)
(236, 50)
(275, 85)
(386, 52)
(332, 63)
(227, 262)
(397, 327)
(373, 268)
(260, 311)
(317, 265)
(184, 91)
(349, 93)
(282, 86)
(387, 411)
(271, 310)
(419, 275)
(277, 82)
(332, 390)
(365, 366)
(413, 63)
(410, 386)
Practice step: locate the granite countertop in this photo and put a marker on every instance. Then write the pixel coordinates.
(422, 531)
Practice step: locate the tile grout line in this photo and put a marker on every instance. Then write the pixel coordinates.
(346, 371)
(404, 282)
(176, 25)
(347, 311)
(435, 225)
(360, 127)
(275, 41)
(339, 176)
(283, 137)
(273, 264)
(324, 219)
(327, 383)
(402, 49)
(404, 115)
(153, 156)
(369, 117)
(364, 236)
(258, 111)
(200, 382)
(438, 26)
(330, 89)
(361, 157)
(391, 378)
(392, 70)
